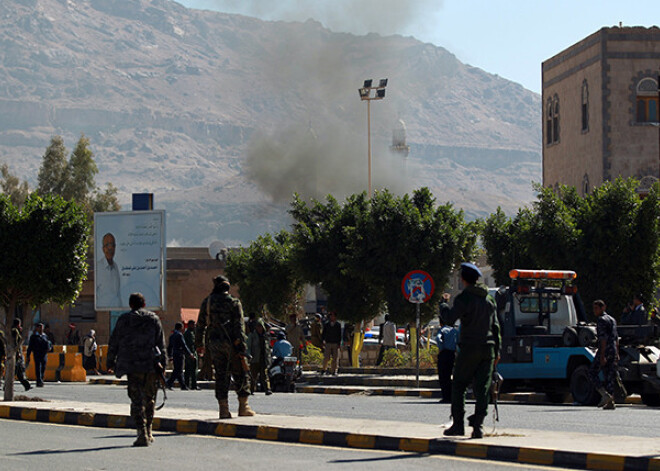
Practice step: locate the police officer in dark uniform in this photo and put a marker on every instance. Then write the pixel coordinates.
(478, 349)
(607, 356)
(222, 316)
(136, 346)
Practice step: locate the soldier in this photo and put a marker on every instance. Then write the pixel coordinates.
(136, 348)
(258, 347)
(190, 376)
(222, 315)
(607, 356)
(19, 368)
(478, 349)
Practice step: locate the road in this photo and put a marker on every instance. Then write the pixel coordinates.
(35, 446)
(632, 420)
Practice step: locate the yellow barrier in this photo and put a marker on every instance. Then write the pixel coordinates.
(59, 348)
(72, 370)
(73, 349)
(102, 358)
(52, 367)
(30, 373)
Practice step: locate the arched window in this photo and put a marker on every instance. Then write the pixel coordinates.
(585, 185)
(585, 106)
(552, 120)
(647, 101)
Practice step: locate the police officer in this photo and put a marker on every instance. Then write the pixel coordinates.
(222, 315)
(190, 375)
(136, 346)
(607, 356)
(478, 349)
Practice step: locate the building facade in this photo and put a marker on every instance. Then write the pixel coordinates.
(600, 109)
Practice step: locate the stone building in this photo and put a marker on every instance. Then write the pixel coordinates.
(600, 109)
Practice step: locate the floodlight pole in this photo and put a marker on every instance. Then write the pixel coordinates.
(365, 95)
(369, 144)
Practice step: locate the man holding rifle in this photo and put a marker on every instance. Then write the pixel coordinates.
(222, 315)
(137, 349)
(478, 349)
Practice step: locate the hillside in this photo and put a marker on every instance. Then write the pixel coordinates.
(223, 116)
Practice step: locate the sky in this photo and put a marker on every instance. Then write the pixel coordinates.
(510, 38)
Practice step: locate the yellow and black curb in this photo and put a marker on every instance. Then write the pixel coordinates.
(434, 446)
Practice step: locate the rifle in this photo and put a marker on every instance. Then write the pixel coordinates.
(160, 372)
(495, 385)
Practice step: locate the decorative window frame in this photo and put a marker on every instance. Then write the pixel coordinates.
(552, 121)
(640, 87)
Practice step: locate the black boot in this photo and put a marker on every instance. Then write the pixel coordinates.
(457, 428)
(476, 422)
(26, 384)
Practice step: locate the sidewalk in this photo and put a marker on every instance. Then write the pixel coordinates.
(571, 450)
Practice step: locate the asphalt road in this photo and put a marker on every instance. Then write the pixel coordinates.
(632, 420)
(30, 446)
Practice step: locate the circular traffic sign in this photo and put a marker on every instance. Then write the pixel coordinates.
(417, 286)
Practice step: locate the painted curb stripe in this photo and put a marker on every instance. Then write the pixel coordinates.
(432, 446)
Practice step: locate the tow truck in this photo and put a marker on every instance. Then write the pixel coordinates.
(548, 343)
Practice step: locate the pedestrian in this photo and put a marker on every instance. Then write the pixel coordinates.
(478, 349)
(19, 367)
(446, 342)
(316, 337)
(607, 356)
(137, 349)
(50, 336)
(177, 351)
(38, 347)
(89, 352)
(386, 338)
(635, 314)
(331, 343)
(72, 335)
(294, 334)
(222, 315)
(190, 374)
(258, 349)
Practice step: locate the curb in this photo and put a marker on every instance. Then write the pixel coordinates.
(520, 398)
(434, 446)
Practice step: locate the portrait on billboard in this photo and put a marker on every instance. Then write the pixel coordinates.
(131, 259)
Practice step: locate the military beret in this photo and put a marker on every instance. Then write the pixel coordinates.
(220, 279)
(471, 267)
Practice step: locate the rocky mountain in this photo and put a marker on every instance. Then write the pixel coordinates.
(223, 117)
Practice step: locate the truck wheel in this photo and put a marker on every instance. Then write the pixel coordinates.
(582, 389)
(651, 399)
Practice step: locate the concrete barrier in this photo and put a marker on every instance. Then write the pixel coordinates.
(52, 367)
(72, 369)
(102, 358)
(73, 349)
(59, 349)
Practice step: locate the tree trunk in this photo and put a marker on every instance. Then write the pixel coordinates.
(10, 363)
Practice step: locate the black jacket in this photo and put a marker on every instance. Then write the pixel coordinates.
(332, 333)
(177, 346)
(133, 343)
(478, 314)
(38, 346)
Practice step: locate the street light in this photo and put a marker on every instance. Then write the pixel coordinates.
(366, 95)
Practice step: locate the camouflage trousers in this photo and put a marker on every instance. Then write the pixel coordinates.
(142, 389)
(227, 365)
(610, 372)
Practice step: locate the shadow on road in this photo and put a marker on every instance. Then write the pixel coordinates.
(382, 458)
(75, 450)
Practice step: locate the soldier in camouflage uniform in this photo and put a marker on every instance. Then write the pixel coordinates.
(222, 315)
(607, 356)
(137, 343)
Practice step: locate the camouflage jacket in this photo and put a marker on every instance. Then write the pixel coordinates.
(133, 343)
(221, 320)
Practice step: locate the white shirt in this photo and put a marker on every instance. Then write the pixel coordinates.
(108, 293)
(389, 334)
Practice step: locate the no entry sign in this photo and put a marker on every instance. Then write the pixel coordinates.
(417, 286)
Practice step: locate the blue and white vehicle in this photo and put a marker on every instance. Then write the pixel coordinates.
(548, 344)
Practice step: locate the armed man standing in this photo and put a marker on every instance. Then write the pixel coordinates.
(222, 315)
(607, 356)
(136, 348)
(478, 349)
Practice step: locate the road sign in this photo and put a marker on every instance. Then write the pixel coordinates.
(417, 286)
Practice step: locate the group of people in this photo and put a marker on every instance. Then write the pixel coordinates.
(137, 349)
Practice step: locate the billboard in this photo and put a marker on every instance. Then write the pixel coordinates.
(129, 257)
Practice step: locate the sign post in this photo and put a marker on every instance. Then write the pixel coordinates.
(417, 287)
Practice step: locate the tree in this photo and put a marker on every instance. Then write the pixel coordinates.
(265, 276)
(610, 238)
(54, 171)
(44, 249)
(12, 187)
(81, 171)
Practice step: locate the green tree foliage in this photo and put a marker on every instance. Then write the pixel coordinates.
(44, 247)
(264, 274)
(75, 179)
(610, 238)
(401, 234)
(12, 187)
